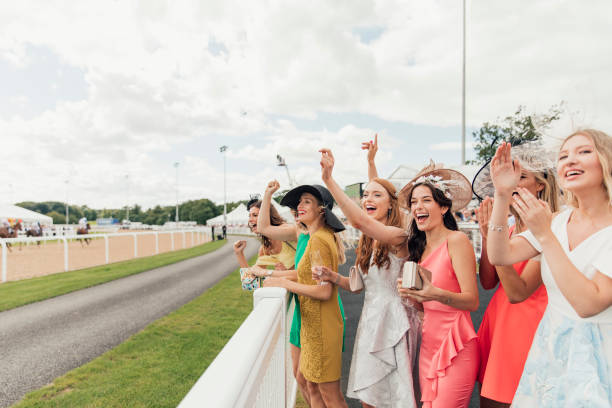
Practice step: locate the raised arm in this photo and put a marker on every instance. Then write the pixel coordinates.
(587, 296)
(239, 247)
(357, 217)
(284, 232)
(486, 270)
(505, 174)
(520, 287)
(372, 148)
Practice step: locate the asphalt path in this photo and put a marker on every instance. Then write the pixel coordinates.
(353, 303)
(44, 340)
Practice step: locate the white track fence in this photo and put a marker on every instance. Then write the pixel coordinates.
(64, 253)
(254, 368)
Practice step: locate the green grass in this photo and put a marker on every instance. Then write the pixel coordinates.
(19, 293)
(159, 365)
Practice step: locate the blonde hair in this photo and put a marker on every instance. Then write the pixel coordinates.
(603, 149)
(338, 236)
(549, 194)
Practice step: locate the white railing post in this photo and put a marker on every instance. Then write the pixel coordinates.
(106, 248)
(4, 273)
(135, 245)
(156, 242)
(65, 253)
(254, 359)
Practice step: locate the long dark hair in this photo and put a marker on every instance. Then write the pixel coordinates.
(417, 240)
(368, 245)
(275, 220)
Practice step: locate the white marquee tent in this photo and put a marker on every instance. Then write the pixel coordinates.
(240, 216)
(27, 216)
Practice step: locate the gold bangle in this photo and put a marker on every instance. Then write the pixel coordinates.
(498, 228)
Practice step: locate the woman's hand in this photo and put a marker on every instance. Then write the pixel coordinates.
(408, 294)
(239, 246)
(272, 187)
(371, 147)
(536, 214)
(257, 271)
(483, 214)
(325, 274)
(327, 164)
(505, 172)
(274, 282)
(429, 291)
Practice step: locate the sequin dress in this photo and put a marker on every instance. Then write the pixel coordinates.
(322, 323)
(383, 367)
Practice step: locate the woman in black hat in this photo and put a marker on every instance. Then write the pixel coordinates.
(322, 323)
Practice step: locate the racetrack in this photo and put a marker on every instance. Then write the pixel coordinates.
(31, 260)
(44, 340)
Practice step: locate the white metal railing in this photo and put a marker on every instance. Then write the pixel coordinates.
(189, 237)
(254, 367)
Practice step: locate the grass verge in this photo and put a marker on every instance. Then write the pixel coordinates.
(19, 293)
(159, 365)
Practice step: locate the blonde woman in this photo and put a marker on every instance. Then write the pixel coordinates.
(571, 355)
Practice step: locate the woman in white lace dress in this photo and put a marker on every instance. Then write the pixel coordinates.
(570, 361)
(385, 349)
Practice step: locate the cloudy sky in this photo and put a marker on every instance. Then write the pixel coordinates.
(98, 99)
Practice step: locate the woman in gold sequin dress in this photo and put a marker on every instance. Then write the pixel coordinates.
(322, 324)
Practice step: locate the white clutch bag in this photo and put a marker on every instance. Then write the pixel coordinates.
(355, 280)
(411, 278)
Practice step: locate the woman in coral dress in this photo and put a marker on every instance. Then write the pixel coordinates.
(449, 356)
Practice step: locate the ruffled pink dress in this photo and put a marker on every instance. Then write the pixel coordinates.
(449, 357)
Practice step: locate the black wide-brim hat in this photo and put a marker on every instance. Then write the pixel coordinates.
(292, 199)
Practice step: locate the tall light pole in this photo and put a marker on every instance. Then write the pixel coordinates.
(127, 189)
(176, 215)
(281, 163)
(222, 149)
(67, 219)
(463, 92)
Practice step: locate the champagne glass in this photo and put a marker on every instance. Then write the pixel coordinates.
(317, 264)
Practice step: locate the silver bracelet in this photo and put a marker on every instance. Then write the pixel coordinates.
(498, 228)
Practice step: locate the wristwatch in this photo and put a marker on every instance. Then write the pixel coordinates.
(269, 272)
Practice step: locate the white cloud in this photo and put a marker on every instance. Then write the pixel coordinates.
(161, 75)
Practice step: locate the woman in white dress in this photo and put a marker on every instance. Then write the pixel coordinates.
(570, 361)
(385, 350)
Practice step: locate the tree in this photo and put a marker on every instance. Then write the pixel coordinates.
(519, 126)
